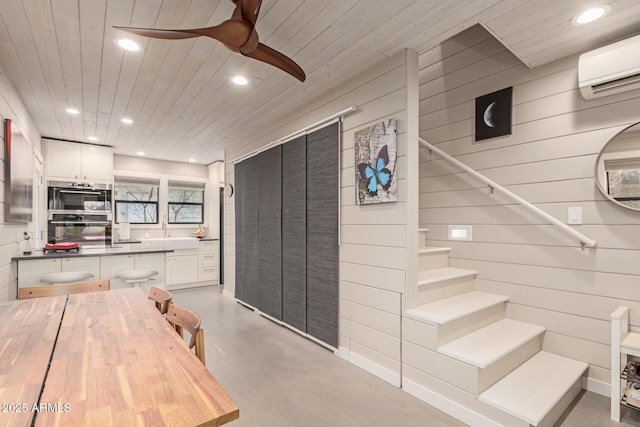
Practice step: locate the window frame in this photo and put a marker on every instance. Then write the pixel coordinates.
(156, 186)
(170, 203)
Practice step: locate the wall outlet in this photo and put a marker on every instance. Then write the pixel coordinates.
(575, 215)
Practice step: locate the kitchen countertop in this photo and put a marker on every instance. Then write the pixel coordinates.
(99, 250)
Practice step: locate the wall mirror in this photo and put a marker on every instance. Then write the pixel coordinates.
(618, 168)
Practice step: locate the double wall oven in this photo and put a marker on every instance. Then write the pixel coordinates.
(79, 213)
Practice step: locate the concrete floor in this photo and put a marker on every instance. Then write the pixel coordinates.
(280, 379)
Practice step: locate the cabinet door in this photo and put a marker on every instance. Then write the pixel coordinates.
(208, 262)
(110, 266)
(97, 163)
(184, 269)
(30, 272)
(64, 160)
(153, 262)
(208, 268)
(90, 264)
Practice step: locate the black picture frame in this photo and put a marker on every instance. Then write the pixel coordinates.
(493, 114)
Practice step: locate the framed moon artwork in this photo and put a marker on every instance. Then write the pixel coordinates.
(375, 155)
(493, 114)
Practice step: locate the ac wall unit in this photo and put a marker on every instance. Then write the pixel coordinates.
(611, 69)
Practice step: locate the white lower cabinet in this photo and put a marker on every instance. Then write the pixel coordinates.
(182, 267)
(110, 266)
(30, 272)
(193, 268)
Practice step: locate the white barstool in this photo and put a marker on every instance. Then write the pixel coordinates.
(66, 277)
(137, 277)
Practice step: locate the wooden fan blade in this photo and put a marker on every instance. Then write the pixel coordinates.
(160, 34)
(273, 57)
(249, 10)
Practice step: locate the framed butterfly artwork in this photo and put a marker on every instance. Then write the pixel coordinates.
(375, 154)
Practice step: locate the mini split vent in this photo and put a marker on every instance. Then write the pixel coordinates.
(611, 69)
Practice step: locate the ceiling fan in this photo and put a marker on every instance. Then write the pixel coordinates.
(237, 33)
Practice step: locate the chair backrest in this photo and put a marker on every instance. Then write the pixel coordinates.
(161, 297)
(63, 289)
(181, 318)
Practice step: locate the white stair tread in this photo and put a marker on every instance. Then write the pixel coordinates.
(432, 250)
(449, 309)
(534, 388)
(631, 343)
(427, 277)
(491, 343)
(422, 229)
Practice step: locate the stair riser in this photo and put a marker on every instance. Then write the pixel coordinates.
(445, 289)
(562, 405)
(453, 330)
(461, 405)
(502, 367)
(429, 261)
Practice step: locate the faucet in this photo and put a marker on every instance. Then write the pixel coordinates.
(164, 227)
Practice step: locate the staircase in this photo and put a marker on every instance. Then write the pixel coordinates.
(463, 356)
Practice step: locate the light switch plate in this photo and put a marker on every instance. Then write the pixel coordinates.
(575, 215)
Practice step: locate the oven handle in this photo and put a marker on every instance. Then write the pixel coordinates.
(80, 192)
(81, 222)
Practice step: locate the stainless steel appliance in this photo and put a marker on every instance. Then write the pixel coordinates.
(84, 228)
(72, 196)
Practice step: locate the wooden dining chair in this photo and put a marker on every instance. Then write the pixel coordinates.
(181, 318)
(161, 297)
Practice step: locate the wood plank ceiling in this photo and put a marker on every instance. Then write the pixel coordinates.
(62, 53)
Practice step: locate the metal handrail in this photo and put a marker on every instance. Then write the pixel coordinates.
(584, 240)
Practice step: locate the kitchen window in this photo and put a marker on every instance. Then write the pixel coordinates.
(136, 203)
(186, 204)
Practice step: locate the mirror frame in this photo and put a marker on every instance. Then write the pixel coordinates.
(599, 169)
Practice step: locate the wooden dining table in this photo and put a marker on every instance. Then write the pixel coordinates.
(115, 362)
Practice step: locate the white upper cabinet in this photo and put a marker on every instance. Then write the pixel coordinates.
(78, 162)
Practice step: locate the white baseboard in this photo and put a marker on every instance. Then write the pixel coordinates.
(381, 372)
(597, 387)
(343, 353)
(228, 294)
(447, 405)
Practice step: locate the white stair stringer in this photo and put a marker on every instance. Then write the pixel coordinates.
(440, 283)
(540, 390)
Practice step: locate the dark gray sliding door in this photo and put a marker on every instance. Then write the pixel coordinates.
(269, 171)
(294, 241)
(246, 206)
(322, 234)
(287, 232)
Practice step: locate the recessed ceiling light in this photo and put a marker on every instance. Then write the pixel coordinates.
(126, 120)
(72, 111)
(92, 138)
(140, 153)
(240, 80)
(591, 14)
(192, 160)
(128, 44)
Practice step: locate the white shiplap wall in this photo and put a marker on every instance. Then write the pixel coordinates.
(548, 160)
(374, 254)
(11, 107)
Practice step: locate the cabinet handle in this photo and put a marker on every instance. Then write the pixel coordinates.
(208, 269)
